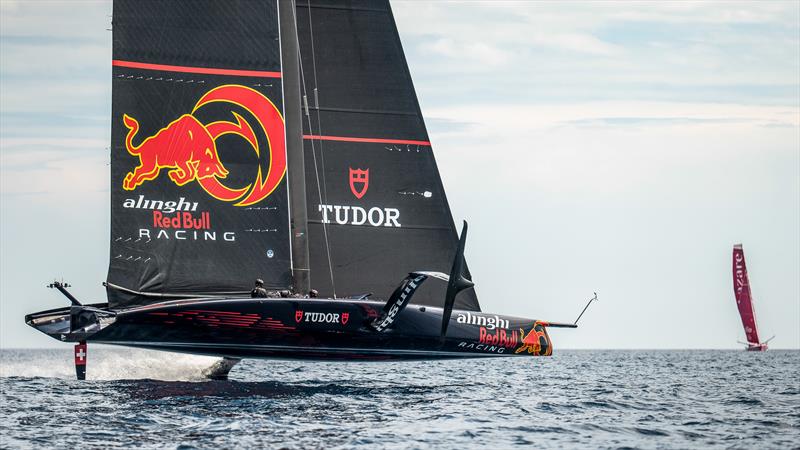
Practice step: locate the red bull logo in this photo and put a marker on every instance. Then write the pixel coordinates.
(501, 337)
(536, 341)
(187, 148)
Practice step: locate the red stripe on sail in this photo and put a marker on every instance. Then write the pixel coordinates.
(362, 139)
(188, 69)
(744, 299)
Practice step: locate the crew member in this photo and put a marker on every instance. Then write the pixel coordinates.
(259, 291)
(313, 293)
(290, 294)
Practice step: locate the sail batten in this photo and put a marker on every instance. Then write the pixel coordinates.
(366, 139)
(201, 70)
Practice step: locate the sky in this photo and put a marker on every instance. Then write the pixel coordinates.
(617, 148)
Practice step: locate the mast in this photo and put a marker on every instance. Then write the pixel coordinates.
(294, 147)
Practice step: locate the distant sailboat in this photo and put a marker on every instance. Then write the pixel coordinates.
(744, 301)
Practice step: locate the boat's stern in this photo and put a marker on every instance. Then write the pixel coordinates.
(536, 341)
(71, 324)
(759, 347)
(494, 335)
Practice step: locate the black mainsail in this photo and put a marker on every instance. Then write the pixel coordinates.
(376, 204)
(199, 200)
(278, 140)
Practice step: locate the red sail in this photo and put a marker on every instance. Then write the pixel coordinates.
(744, 300)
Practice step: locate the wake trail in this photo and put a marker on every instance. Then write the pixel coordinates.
(104, 363)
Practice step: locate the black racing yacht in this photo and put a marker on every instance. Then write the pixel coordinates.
(278, 140)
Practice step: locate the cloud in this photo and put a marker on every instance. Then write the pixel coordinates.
(58, 167)
(9, 6)
(482, 55)
(605, 149)
(29, 144)
(723, 52)
(514, 118)
(576, 42)
(52, 18)
(54, 65)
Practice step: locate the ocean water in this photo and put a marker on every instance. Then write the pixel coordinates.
(575, 399)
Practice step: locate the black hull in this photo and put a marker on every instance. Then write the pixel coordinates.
(756, 347)
(315, 329)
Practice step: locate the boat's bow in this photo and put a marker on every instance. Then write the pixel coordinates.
(71, 324)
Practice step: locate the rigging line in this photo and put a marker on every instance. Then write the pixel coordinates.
(324, 183)
(313, 148)
(316, 99)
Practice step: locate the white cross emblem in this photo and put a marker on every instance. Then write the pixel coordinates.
(80, 355)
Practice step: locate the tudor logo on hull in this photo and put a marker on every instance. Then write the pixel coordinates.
(320, 317)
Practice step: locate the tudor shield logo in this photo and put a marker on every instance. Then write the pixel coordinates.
(359, 182)
(298, 316)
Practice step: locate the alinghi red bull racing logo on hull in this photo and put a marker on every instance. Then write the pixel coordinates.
(188, 148)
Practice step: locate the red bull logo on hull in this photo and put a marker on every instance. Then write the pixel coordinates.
(536, 341)
(187, 148)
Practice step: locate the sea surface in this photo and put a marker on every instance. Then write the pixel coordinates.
(575, 399)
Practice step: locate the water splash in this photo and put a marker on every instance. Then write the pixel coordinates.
(105, 363)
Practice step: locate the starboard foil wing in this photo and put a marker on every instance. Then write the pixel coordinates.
(375, 201)
(198, 191)
(744, 299)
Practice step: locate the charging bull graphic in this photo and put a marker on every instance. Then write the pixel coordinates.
(190, 151)
(188, 148)
(536, 341)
